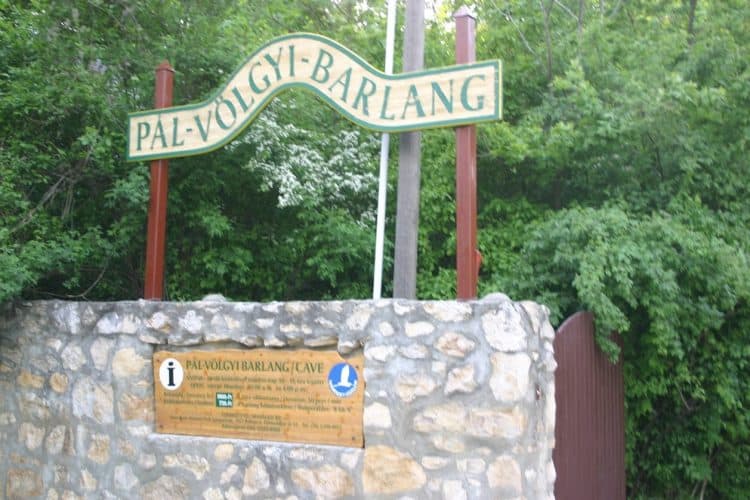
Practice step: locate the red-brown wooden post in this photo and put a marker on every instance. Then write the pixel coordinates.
(157, 208)
(467, 255)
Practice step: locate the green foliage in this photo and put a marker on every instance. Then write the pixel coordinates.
(74, 212)
(678, 291)
(632, 145)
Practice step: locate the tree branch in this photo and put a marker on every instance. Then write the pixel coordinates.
(509, 17)
(565, 9)
(581, 10)
(616, 9)
(51, 192)
(547, 37)
(657, 154)
(83, 294)
(691, 22)
(703, 489)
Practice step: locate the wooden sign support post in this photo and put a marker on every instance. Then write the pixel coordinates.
(157, 209)
(468, 257)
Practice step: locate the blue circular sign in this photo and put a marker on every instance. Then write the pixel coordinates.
(342, 380)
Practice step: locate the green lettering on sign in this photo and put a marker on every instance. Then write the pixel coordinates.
(442, 97)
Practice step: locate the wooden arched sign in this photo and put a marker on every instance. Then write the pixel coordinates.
(444, 97)
(456, 96)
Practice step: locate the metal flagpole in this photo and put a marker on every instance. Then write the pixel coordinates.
(377, 281)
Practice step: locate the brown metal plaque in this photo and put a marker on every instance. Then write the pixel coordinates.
(300, 396)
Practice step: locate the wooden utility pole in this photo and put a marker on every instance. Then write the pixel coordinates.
(468, 257)
(409, 158)
(157, 208)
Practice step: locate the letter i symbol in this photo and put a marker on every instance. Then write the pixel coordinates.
(170, 370)
(171, 374)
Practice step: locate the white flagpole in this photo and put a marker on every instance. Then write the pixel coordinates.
(377, 282)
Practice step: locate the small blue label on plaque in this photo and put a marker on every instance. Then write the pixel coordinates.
(342, 380)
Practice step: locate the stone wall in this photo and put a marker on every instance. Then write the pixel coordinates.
(459, 401)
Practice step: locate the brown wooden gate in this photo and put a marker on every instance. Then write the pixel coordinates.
(589, 452)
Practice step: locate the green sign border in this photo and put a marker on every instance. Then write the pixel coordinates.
(493, 114)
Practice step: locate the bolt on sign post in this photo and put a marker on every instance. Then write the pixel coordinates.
(454, 96)
(157, 209)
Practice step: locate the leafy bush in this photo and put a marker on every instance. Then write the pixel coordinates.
(678, 288)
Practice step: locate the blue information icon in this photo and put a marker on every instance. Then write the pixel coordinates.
(342, 380)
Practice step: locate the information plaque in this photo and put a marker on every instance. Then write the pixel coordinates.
(303, 396)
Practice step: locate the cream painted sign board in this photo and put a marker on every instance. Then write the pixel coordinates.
(303, 396)
(451, 96)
